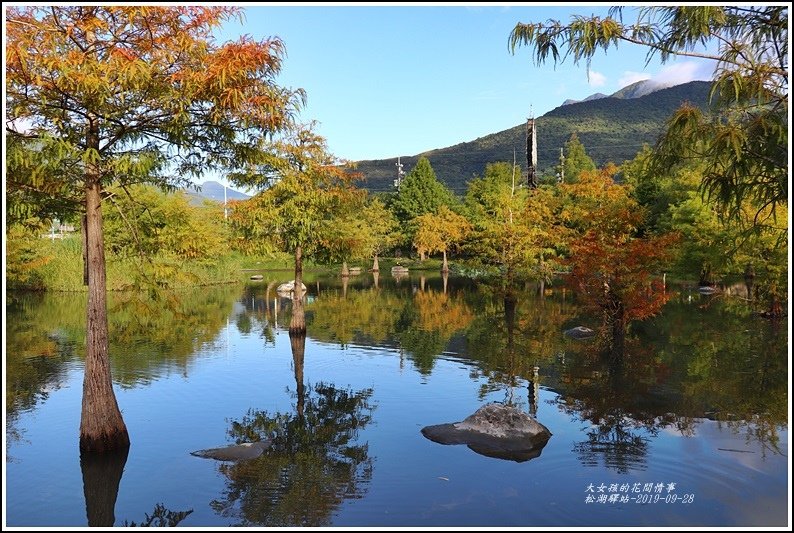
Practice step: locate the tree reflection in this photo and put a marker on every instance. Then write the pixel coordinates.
(428, 322)
(101, 477)
(730, 366)
(512, 336)
(714, 362)
(363, 315)
(37, 350)
(172, 325)
(315, 461)
(161, 517)
(620, 429)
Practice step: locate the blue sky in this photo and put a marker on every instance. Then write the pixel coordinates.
(389, 80)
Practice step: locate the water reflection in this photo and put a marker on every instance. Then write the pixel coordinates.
(161, 517)
(38, 348)
(101, 477)
(677, 371)
(315, 461)
(705, 364)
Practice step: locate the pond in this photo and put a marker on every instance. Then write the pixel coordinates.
(689, 428)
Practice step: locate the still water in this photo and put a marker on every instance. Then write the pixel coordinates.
(690, 428)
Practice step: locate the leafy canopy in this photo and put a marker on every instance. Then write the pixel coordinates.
(136, 94)
(744, 142)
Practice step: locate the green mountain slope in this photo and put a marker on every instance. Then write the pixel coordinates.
(611, 129)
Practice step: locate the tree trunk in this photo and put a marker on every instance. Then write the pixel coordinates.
(618, 333)
(297, 342)
(749, 279)
(705, 276)
(444, 278)
(298, 323)
(421, 256)
(375, 276)
(444, 265)
(101, 425)
(345, 281)
(375, 267)
(345, 270)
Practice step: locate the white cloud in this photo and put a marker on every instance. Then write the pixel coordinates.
(683, 72)
(669, 75)
(596, 79)
(630, 77)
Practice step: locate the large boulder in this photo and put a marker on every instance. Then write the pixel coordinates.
(495, 430)
(235, 452)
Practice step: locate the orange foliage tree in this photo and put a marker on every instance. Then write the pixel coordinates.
(101, 95)
(613, 269)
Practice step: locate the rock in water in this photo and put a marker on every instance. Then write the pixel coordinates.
(235, 452)
(579, 333)
(289, 287)
(495, 430)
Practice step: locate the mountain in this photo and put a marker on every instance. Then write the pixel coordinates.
(611, 129)
(212, 190)
(641, 88)
(635, 90)
(595, 96)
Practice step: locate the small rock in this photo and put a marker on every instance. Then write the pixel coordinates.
(289, 286)
(235, 452)
(579, 333)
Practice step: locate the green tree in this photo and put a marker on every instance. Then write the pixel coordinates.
(576, 160)
(307, 189)
(127, 94)
(744, 143)
(514, 229)
(440, 232)
(382, 229)
(162, 230)
(420, 193)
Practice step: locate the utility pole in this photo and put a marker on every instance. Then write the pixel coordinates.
(561, 174)
(532, 152)
(400, 174)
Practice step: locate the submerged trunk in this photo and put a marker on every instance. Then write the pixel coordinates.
(706, 278)
(298, 323)
(618, 330)
(444, 265)
(775, 307)
(375, 276)
(375, 267)
(749, 279)
(101, 425)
